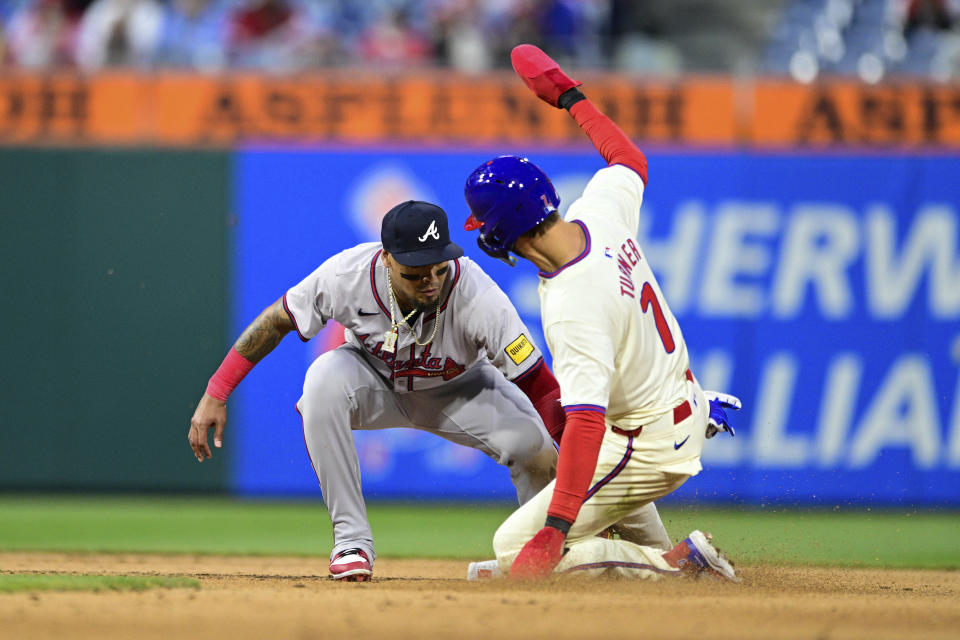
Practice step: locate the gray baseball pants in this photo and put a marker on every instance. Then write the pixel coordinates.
(479, 409)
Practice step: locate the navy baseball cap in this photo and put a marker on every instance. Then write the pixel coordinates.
(416, 234)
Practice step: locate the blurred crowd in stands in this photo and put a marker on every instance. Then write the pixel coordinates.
(660, 36)
(291, 35)
(868, 39)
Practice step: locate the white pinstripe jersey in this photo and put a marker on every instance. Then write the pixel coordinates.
(477, 320)
(614, 341)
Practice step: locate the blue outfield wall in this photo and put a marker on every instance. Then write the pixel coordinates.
(824, 290)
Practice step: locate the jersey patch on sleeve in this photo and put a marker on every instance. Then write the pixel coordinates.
(520, 349)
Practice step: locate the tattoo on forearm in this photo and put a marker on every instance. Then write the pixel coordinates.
(263, 334)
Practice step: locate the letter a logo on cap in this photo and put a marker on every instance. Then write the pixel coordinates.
(432, 232)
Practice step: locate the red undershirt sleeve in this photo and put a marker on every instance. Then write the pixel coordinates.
(612, 143)
(544, 392)
(578, 461)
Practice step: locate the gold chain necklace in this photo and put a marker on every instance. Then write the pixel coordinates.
(390, 337)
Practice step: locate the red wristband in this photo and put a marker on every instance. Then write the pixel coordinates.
(232, 370)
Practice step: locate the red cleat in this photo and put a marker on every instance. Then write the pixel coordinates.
(351, 565)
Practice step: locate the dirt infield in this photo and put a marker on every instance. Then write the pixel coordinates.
(280, 597)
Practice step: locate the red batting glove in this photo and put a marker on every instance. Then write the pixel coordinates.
(539, 556)
(539, 71)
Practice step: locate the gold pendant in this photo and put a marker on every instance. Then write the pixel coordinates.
(390, 340)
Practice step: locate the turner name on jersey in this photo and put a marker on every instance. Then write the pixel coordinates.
(615, 343)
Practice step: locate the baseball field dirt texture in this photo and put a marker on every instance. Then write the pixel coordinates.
(259, 594)
(290, 597)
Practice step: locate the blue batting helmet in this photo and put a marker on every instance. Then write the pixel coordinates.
(507, 197)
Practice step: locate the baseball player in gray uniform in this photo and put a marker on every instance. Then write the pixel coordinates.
(431, 343)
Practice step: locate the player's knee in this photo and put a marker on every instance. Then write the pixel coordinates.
(531, 450)
(544, 460)
(325, 381)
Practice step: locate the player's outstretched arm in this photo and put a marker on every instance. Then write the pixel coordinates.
(545, 78)
(256, 341)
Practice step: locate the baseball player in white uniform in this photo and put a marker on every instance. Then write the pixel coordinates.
(431, 343)
(636, 419)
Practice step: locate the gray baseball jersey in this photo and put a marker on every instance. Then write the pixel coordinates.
(477, 320)
(455, 387)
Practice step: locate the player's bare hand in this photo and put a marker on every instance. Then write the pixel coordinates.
(210, 414)
(541, 73)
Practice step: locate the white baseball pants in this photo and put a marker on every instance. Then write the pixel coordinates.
(632, 472)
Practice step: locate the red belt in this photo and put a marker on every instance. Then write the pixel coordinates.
(680, 413)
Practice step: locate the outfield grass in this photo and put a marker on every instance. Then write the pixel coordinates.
(227, 526)
(222, 525)
(868, 538)
(10, 583)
